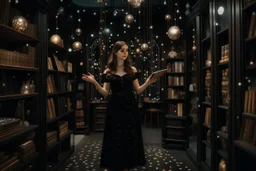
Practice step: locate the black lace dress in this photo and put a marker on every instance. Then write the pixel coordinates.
(122, 141)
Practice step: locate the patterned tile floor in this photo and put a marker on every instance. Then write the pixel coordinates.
(87, 157)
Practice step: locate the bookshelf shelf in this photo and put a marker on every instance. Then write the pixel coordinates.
(251, 6)
(17, 96)
(222, 32)
(206, 40)
(19, 68)
(174, 59)
(251, 67)
(207, 67)
(18, 134)
(250, 40)
(59, 117)
(175, 117)
(224, 107)
(175, 100)
(175, 140)
(223, 64)
(250, 115)
(248, 148)
(206, 103)
(178, 87)
(13, 36)
(56, 47)
(175, 127)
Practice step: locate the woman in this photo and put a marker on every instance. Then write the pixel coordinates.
(122, 147)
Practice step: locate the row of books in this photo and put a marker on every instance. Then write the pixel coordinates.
(80, 123)
(79, 113)
(9, 126)
(10, 58)
(64, 105)
(175, 109)
(59, 65)
(63, 128)
(207, 119)
(175, 67)
(79, 103)
(175, 94)
(175, 81)
(248, 128)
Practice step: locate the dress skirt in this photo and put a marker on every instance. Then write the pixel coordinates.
(122, 141)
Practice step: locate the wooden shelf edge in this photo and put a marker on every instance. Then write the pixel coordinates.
(251, 67)
(225, 107)
(248, 148)
(18, 134)
(21, 68)
(174, 140)
(250, 115)
(175, 117)
(249, 5)
(206, 103)
(223, 64)
(16, 35)
(221, 32)
(17, 96)
(175, 127)
(206, 39)
(206, 67)
(174, 59)
(59, 117)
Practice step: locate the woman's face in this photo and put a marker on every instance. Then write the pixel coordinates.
(122, 53)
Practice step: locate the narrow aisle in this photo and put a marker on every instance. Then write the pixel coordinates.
(87, 155)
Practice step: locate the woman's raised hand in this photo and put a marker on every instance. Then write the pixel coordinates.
(151, 79)
(88, 77)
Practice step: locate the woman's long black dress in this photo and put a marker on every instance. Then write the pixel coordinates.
(122, 141)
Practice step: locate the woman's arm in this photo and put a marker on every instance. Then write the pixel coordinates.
(102, 90)
(140, 88)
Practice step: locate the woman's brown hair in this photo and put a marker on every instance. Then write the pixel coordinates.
(112, 61)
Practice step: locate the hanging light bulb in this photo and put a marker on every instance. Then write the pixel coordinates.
(78, 31)
(129, 18)
(135, 3)
(144, 46)
(55, 39)
(174, 32)
(138, 50)
(167, 17)
(77, 45)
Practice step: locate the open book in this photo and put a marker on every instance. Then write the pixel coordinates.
(158, 73)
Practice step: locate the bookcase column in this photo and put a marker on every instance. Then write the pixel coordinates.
(41, 52)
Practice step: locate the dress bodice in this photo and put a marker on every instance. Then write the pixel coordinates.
(119, 83)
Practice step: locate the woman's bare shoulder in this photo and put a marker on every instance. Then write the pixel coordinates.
(134, 69)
